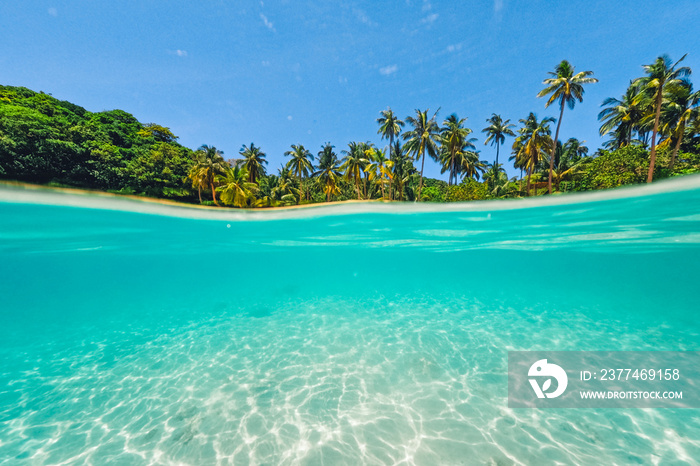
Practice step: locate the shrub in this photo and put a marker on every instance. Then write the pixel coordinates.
(468, 190)
(611, 169)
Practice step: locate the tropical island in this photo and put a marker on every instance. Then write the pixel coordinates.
(653, 130)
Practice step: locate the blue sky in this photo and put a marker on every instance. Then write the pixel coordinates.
(227, 73)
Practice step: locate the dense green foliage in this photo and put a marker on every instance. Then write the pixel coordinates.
(611, 169)
(46, 140)
(654, 132)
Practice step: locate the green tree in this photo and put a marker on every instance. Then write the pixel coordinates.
(610, 169)
(402, 170)
(468, 190)
(253, 161)
(453, 136)
(389, 127)
(533, 141)
(379, 167)
(681, 108)
(284, 191)
(621, 117)
(209, 163)
(661, 75)
(498, 183)
(492, 175)
(300, 164)
(157, 132)
(354, 164)
(564, 87)
(328, 171)
(235, 187)
(568, 161)
(497, 131)
(467, 161)
(422, 140)
(161, 170)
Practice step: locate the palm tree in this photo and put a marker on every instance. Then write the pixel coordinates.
(517, 162)
(497, 131)
(569, 158)
(389, 127)
(564, 87)
(680, 109)
(467, 162)
(328, 171)
(533, 140)
(497, 181)
(422, 139)
(285, 192)
(661, 75)
(402, 170)
(379, 166)
(621, 117)
(300, 164)
(493, 174)
(354, 164)
(453, 135)
(235, 187)
(253, 161)
(366, 148)
(209, 162)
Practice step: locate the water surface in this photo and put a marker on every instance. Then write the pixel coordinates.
(375, 334)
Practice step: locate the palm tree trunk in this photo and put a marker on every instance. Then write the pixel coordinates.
(420, 185)
(213, 194)
(554, 149)
(452, 167)
(391, 148)
(652, 156)
(520, 186)
(199, 191)
(681, 130)
(629, 136)
(357, 189)
(529, 172)
(301, 188)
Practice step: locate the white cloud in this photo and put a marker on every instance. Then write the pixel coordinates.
(497, 6)
(265, 63)
(289, 117)
(363, 18)
(53, 11)
(268, 23)
(426, 6)
(387, 70)
(430, 19)
(454, 48)
(181, 53)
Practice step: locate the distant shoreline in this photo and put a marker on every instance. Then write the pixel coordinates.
(169, 202)
(25, 193)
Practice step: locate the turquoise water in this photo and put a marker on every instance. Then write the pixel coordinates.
(362, 334)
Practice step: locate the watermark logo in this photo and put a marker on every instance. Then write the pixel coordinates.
(541, 369)
(604, 379)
